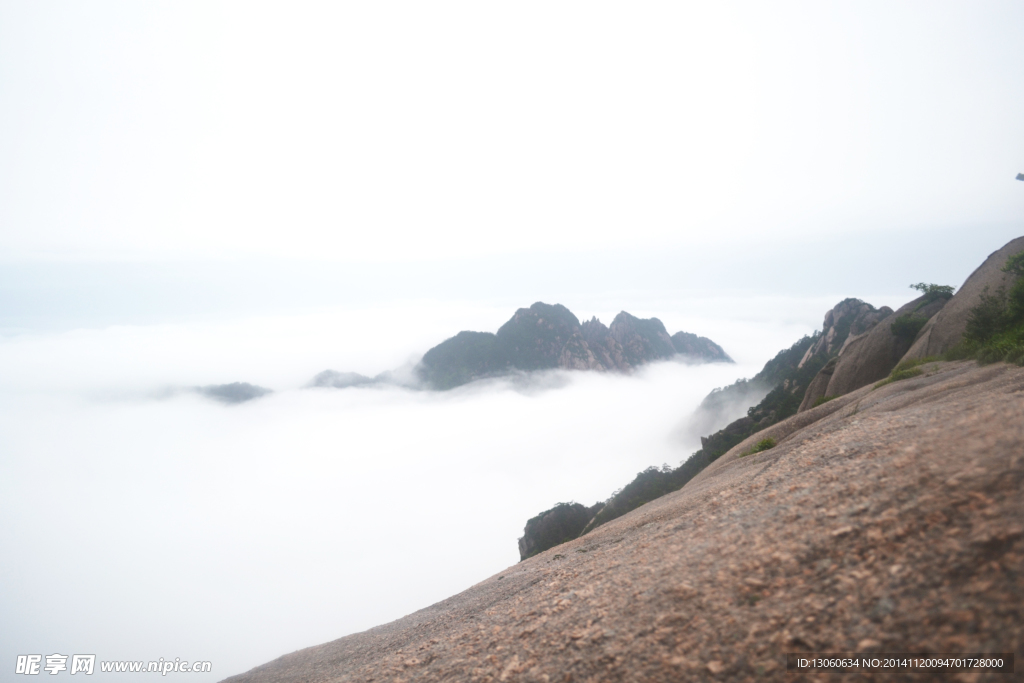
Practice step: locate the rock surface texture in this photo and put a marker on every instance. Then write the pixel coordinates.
(945, 330)
(886, 520)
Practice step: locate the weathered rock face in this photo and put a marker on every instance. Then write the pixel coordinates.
(642, 340)
(544, 337)
(848, 319)
(463, 358)
(689, 344)
(870, 356)
(818, 388)
(946, 329)
(536, 338)
(604, 347)
(562, 523)
(781, 388)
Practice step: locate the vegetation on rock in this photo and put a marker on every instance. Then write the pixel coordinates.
(907, 326)
(932, 291)
(995, 327)
(762, 445)
(561, 523)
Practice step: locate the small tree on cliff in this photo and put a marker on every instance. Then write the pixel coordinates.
(933, 291)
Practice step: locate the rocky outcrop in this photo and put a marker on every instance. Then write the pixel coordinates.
(870, 356)
(545, 337)
(780, 388)
(702, 348)
(818, 388)
(463, 358)
(341, 380)
(561, 523)
(642, 340)
(791, 372)
(946, 329)
(604, 347)
(847, 320)
(886, 520)
(236, 392)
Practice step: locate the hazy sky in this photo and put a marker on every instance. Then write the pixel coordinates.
(383, 132)
(198, 193)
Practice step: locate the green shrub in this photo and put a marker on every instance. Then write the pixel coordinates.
(823, 400)
(933, 291)
(995, 327)
(907, 326)
(906, 370)
(762, 445)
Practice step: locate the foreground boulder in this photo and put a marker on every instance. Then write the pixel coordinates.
(944, 331)
(886, 520)
(561, 523)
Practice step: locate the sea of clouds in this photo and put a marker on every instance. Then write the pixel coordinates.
(142, 520)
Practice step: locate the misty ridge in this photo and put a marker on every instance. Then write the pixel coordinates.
(540, 338)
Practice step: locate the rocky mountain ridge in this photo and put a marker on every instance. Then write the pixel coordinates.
(542, 337)
(546, 337)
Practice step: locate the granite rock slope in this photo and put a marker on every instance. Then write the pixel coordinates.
(887, 520)
(871, 355)
(946, 329)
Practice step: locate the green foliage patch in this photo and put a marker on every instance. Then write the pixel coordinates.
(932, 291)
(906, 370)
(823, 400)
(762, 445)
(907, 326)
(995, 327)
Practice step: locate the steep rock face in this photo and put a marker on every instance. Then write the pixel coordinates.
(463, 358)
(689, 344)
(642, 340)
(562, 523)
(945, 330)
(848, 319)
(780, 388)
(873, 356)
(536, 338)
(818, 388)
(604, 347)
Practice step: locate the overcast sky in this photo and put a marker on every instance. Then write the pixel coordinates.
(415, 133)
